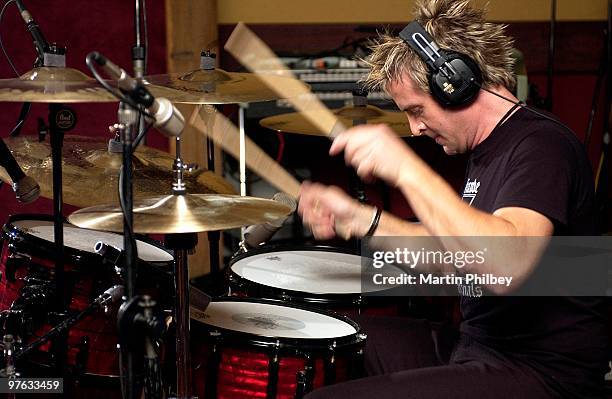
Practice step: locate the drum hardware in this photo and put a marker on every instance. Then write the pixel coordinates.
(141, 317)
(110, 295)
(213, 363)
(111, 255)
(273, 363)
(8, 349)
(304, 379)
(356, 185)
(330, 365)
(15, 261)
(9, 370)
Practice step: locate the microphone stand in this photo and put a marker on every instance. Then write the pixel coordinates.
(127, 119)
(67, 323)
(139, 54)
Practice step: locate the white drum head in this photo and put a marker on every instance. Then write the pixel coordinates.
(271, 320)
(85, 240)
(314, 271)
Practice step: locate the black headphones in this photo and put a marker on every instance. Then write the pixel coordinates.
(455, 78)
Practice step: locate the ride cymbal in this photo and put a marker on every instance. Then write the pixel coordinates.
(296, 122)
(188, 213)
(91, 173)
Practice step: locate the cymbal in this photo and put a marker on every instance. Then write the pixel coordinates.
(53, 85)
(62, 85)
(216, 86)
(296, 122)
(189, 213)
(91, 173)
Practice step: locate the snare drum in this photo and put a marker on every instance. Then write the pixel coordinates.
(268, 349)
(27, 268)
(321, 276)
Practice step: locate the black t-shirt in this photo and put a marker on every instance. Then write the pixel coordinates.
(534, 163)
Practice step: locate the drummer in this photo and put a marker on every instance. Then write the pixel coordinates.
(527, 176)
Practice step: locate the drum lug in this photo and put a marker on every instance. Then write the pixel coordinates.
(305, 379)
(273, 372)
(330, 365)
(358, 304)
(212, 376)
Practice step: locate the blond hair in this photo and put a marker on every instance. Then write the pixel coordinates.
(454, 25)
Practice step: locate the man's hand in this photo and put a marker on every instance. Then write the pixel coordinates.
(329, 211)
(375, 151)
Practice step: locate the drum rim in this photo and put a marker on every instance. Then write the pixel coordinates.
(292, 296)
(44, 248)
(299, 346)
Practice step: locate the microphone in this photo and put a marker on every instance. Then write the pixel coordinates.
(26, 189)
(257, 234)
(39, 40)
(168, 119)
(113, 294)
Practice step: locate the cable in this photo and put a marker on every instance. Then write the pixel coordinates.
(2, 44)
(146, 36)
(524, 106)
(140, 136)
(123, 98)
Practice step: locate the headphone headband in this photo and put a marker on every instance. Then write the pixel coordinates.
(454, 77)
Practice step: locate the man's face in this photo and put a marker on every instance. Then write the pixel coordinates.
(426, 117)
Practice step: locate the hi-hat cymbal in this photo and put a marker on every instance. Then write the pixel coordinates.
(216, 86)
(296, 122)
(62, 85)
(189, 213)
(91, 173)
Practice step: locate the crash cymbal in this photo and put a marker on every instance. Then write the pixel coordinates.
(189, 213)
(297, 123)
(216, 86)
(91, 173)
(53, 85)
(62, 85)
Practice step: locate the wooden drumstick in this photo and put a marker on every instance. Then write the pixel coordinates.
(225, 134)
(254, 54)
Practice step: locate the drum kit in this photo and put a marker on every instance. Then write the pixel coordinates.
(269, 337)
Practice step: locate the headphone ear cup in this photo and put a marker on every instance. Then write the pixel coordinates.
(459, 89)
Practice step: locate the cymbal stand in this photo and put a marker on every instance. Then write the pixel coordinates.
(207, 62)
(182, 244)
(61, 119)
(243, 187)
(356, 184)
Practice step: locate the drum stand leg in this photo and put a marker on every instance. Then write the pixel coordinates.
(181, 244)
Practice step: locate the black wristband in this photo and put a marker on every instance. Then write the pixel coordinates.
(374, 224)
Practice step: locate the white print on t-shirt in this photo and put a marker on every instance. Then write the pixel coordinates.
(471, 190)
